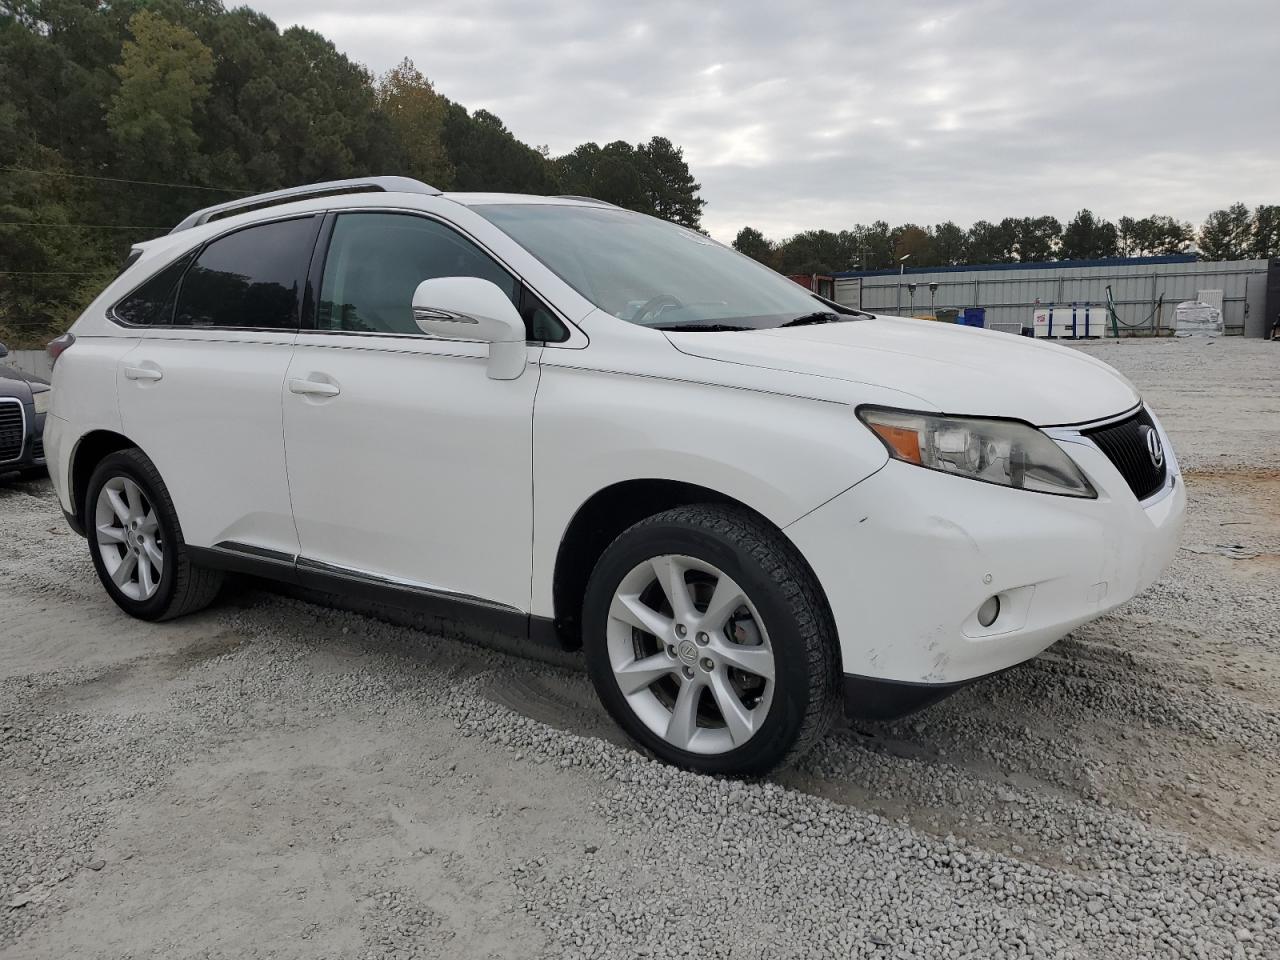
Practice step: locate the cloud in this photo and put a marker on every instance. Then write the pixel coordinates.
(829, 114)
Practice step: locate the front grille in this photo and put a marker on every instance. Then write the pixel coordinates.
(37, 448)
(12, 425)
(1125, 444)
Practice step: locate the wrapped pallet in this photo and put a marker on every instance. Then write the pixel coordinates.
(1192, 318)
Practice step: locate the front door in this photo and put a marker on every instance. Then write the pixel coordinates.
(407, 465)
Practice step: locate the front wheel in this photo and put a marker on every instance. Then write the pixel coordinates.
(710, 642)
(136, 542)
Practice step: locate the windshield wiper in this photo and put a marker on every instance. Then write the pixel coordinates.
(822, 316)
(698, 327)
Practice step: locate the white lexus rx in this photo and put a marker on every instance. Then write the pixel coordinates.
(587, 427)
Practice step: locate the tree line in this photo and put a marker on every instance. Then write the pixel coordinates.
(1235, 233)
(117, 120)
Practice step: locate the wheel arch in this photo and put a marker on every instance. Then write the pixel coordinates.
(89, 451)
(607, 513)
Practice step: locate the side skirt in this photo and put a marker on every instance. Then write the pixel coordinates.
(362, 591)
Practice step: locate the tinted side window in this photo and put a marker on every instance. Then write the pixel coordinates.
(539, 322)
(152, 303)
(377, 260)
(249, 278)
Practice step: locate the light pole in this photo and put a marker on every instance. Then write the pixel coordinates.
(902, 268)
(933, 292)
(911, 294)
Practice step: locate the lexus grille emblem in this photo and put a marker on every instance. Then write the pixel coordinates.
(1155, 449)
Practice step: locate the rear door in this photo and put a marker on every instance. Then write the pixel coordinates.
(200, 393)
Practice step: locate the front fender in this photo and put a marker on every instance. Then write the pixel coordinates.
(782, 456)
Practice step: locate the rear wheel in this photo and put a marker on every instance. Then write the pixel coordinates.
(709, 641)
(136, 542)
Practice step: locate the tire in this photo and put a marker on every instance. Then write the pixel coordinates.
(181, 587)
(716, 553)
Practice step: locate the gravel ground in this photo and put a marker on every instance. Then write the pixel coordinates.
(273, 778)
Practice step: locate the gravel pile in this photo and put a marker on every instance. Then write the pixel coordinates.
(273, 778)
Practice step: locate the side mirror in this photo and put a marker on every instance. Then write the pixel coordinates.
(4, 351)
(468, 308)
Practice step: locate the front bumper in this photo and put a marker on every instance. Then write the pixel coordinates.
(31, 453)
(908, 556)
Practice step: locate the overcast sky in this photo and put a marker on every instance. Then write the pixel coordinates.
(828, 114)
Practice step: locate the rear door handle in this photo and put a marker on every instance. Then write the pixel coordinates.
(149, 372)
(313, 388)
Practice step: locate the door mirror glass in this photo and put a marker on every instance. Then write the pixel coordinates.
(469, 308)
(4, 351)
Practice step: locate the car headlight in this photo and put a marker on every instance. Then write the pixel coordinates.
(1006, 452)
(41, 401)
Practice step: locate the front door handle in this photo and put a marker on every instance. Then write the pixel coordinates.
(313, 388)
(149, 372)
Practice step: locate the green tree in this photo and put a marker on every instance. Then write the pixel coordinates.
(1265, 242)
(914, 242)
(164, 80)
(1035, 239)
(486, 156)
(950, 244)
(991, 242)
(1153, 236)
(754, 244)
(671, 189)
(415, 113)
(873, 245)
(1087, 238)
(814, 251)
(1227, 234)
(651, 178)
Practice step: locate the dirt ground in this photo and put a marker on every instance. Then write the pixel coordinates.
(273, 778)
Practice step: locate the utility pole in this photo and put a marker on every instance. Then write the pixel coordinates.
(902, 268)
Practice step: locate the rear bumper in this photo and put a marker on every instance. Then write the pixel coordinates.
(908, 556)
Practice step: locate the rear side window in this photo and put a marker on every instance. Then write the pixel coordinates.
(152, 303)
(250, 278)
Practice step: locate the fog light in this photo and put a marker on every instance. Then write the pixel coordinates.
(989, 610)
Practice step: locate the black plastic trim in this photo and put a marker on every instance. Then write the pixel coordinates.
(73, 522)
(326, 578)
(871, 698)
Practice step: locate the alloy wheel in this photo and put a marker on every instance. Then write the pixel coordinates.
(690, 654)
(129, 538)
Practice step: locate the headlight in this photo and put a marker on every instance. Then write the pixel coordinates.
(995, 451)
(41, 401)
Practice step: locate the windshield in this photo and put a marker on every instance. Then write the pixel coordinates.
(651, 272)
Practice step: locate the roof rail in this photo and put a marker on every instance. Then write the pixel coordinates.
(327, 189)
(570, 196)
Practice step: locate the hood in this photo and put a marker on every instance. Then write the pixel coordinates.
(15, 383)
(958, 370)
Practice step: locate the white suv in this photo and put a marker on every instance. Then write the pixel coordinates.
(589, 427)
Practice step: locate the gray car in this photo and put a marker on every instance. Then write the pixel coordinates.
(24, 398)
